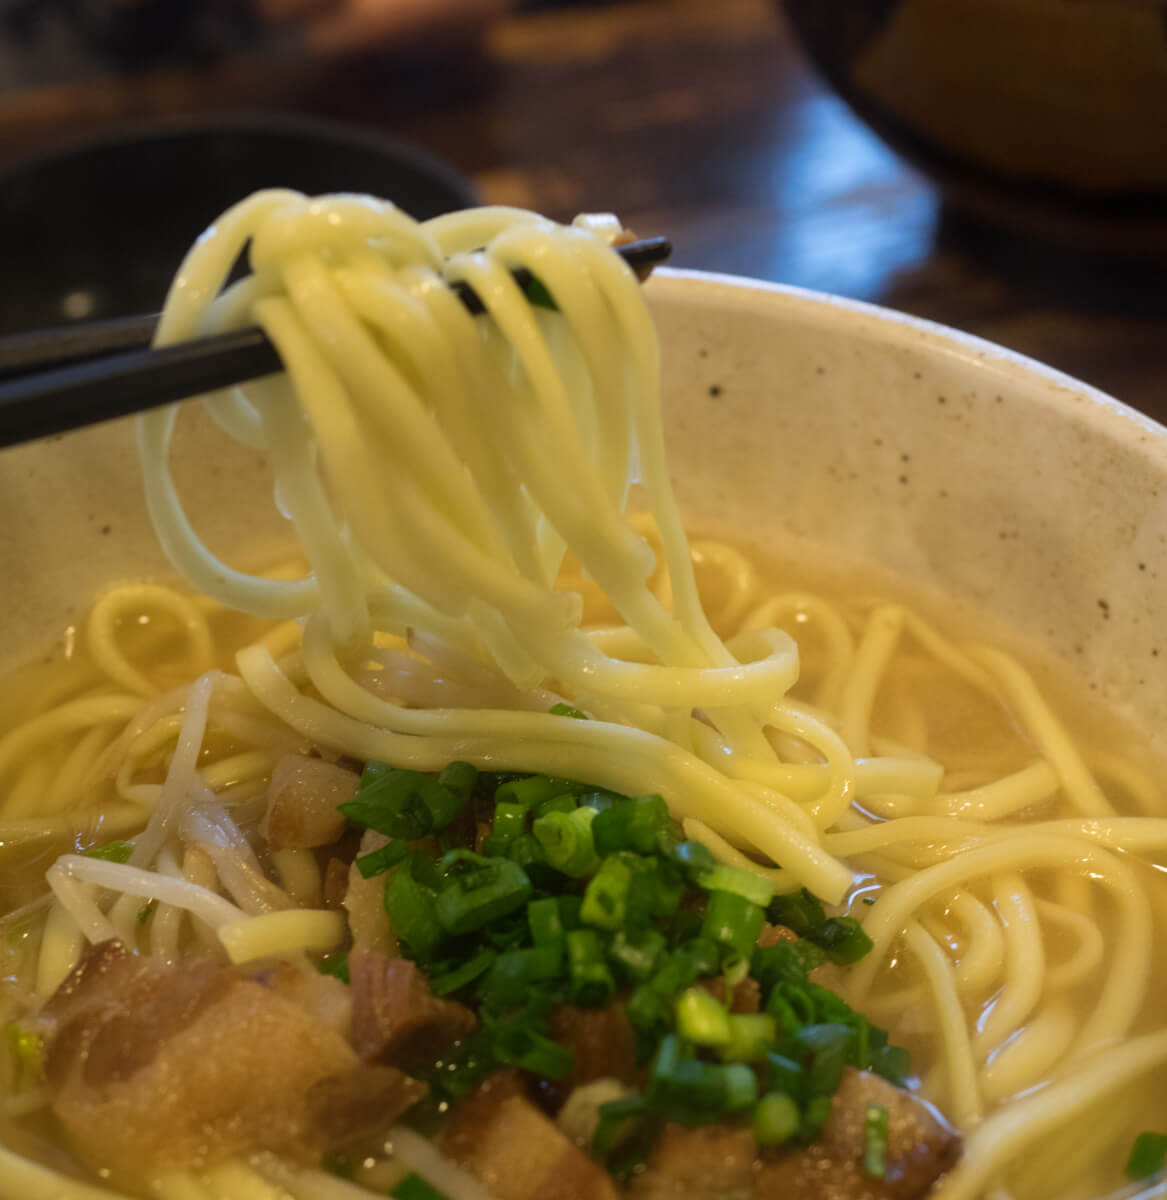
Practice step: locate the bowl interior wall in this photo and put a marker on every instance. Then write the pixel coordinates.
(790, 416)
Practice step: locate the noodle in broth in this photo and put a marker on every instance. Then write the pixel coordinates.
(458, 488)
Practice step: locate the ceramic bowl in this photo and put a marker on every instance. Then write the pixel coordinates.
(794, 420)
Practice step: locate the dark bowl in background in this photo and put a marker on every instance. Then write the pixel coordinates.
(1045, 117)
(96, 229)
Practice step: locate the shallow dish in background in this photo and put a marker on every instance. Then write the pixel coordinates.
(1043, 117)
(803, 419)
(88, 231)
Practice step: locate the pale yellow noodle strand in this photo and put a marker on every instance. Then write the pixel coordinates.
(1024, 964)
(965, 1105)
(1088, 953)
(863, 680)
(1030, 1054)
(1047, 731)
(1008, 1133)
(137, 599)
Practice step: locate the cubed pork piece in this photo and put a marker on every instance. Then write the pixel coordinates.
(302, 802)
(501, 1138)
(396, 1018)
(921, 1146)
(720, 1162)
(151, 1065)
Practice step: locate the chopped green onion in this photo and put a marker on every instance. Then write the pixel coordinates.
(677, 972)
(741, 1086)
(564, 802)
(146, 911)
(694, 1092)
(693, 857)
(459, 778)
(118, 852)
(636, 953)
(537, 294)
(566, 838)
(567, 710)
(1148, 1155)
(413, 1187)
(648, 816)
(520, 1046)
(705, 955)
(459, 977)
(776, 1119)
(483, 894)
(649, 1013)
(875, 1141)
(785, 962)
(742, 883)
(823, 1051)
(335, 965)
(606, 896)
(526, 851)
(528, 792)
(616, 1122)
(844, 940)
(892, 1063)
(701, 1018)
(592, 984)
(734, 922)
(751, 1037)
(610, 829)
(785, 1076)
(377, 861)
(26, 1048)
(654, 890)
(545, 921)
(515, 972)
(816, 1114)
(413, 915)
(510, 820)
(408, 804)
(800, 912)
(791, 1006)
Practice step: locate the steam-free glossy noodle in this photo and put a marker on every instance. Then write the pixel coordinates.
(458, 487)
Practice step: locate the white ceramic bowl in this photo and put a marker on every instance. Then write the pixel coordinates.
(892, 442)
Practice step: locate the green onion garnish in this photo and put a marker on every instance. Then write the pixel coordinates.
(751, 1037)
(776, 1119)
(742, 883)
(1148, 1155)
(734, 922)
(701, 1018)
(606, 896)
(875, 1141)
(566, 839)
(458, 977)
(413, 1187)
(592, 984)
(567, 710)
(636, 953)
(412, 914)
(844, 940)
(118, 852)
(470, 900)
(378, 861)
(519, 1045)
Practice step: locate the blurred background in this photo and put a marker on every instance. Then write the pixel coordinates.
(997, 165)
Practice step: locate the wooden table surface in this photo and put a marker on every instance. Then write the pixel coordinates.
(701, 119)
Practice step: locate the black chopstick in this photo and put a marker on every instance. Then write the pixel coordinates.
(62, 379)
